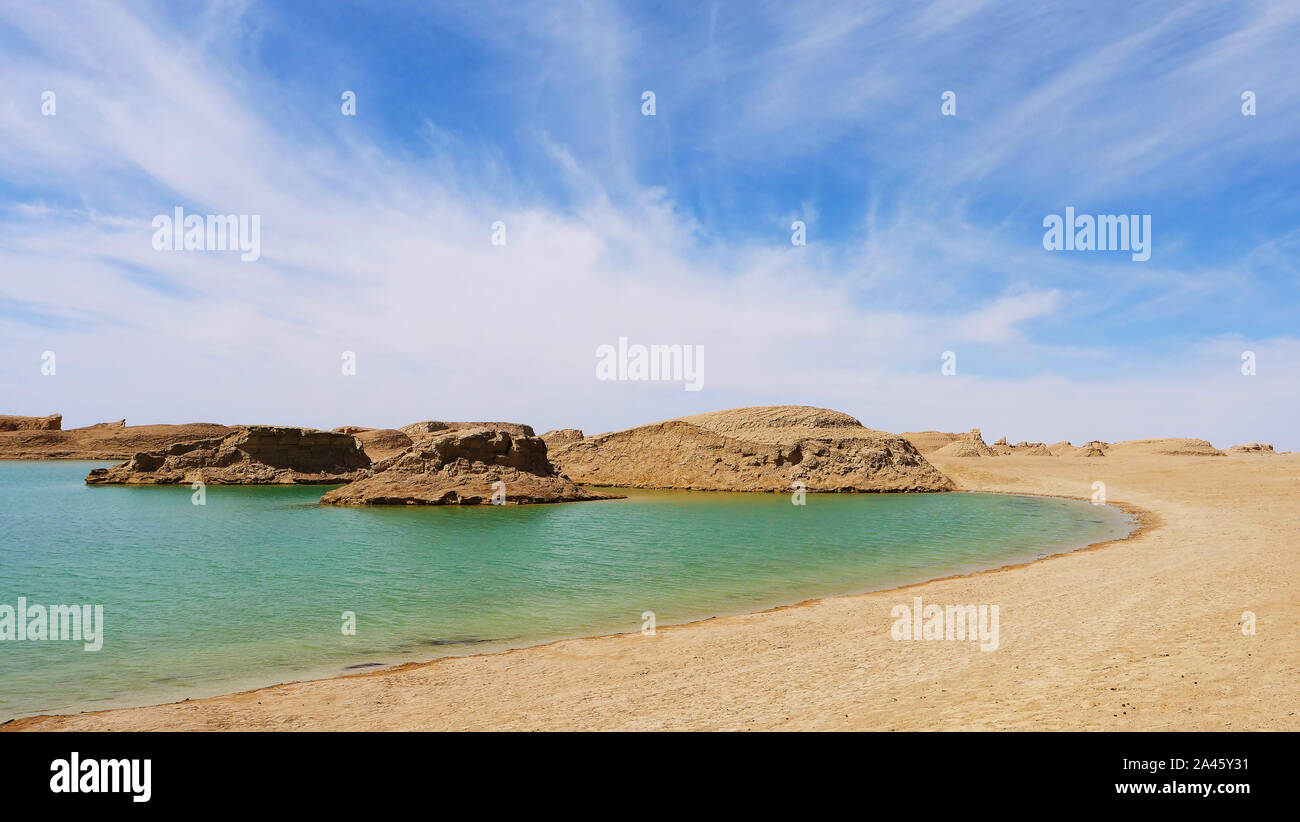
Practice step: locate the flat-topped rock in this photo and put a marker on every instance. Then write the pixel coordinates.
(103, 441)
(1167, 446)
(421, 429)
(1252, 448)
(766, 448)
(463, 467)
(257, 455)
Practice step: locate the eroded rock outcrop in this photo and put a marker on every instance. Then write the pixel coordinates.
(562, 436)
(1252, 448)
(8, 422)
(1030, 449)
(257, 455)
(418, 430)
(767, 448)
(1167, 446)
(462, 467)
(968, 445)
(378, 443)
(927, 442)
(103, 441)
(1095, 448)
(1021, 449)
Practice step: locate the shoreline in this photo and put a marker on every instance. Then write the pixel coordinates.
(1141, 521)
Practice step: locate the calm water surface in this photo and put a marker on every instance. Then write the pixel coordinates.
(250, 589)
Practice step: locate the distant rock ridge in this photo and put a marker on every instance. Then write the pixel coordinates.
(1252, 448)
(944, 444)
(463, 466)
(257, 455)
(765, 448)
(968, 445)
(103, 441)
(1167, 446)
(1095, 448)
(419, 429)
(53, 422)
(1020, 449)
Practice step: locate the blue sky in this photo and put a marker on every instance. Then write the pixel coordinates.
(924, 231)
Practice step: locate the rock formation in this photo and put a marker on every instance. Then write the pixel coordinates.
(562, 436)
(766, 448)
(53, 422)
(1095, 448)
(972, 445)
(1021, 449)
(103, 441)
(461, 466)
(1030, 449)
(968, 445)
(258, 455)
(1252, 448)
(378, 443)
(1170, 446)
(420, 429)
(927, 442)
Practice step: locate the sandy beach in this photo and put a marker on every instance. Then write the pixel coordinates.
(1139, 634)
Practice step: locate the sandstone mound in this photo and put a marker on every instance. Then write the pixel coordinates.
(460, 467)
(1172, 447)
(1021, 449)
(968, 445)
(103, 441)
(962, 448)
(106, 426)
(54, 422)
(927, 442)
(416, 430)
(1030, 449)
(1096, 448)
(562, 436)
(258, 455)
(382, 443)
(751, 449)
(1252, 448)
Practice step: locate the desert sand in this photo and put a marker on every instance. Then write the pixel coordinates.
(1138, 634)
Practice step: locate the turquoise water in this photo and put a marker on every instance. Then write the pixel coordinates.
(250, 588)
